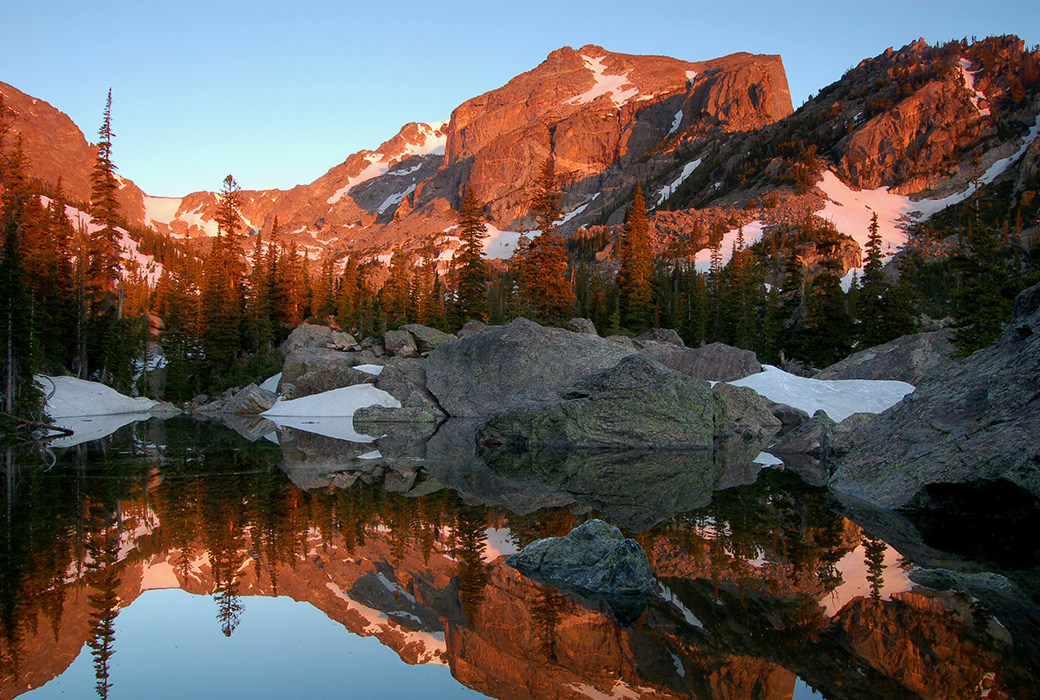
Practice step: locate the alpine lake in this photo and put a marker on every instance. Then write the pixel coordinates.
(185, 559)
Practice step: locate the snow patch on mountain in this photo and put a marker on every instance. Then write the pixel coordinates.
(675, 123)
(619, 87)
(968, 76)
(668, 190)
(752, 234)
(432, 141)
(395, 199)
(160, 210)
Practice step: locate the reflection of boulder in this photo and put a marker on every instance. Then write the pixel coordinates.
(312, 461)
(250, 427)
(635, 489)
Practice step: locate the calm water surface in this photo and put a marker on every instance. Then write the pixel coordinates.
(181, 559)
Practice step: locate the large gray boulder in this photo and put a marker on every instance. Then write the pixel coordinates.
(595, 558)
(426, 338)
(310, 370)
(400, 343)
(475, 375)
(715, 362)
(907, 359)
(638, 403)
(973, 422)
(308, 335)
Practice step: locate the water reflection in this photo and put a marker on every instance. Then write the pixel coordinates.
(764, 590)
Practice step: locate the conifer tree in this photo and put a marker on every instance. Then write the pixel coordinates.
(471, 268)
(883, 311)
(635, 281)
(985, 296)
(223, 293)
(103, 247)
(544, 267)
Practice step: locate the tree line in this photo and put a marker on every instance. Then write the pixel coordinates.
(67, 304)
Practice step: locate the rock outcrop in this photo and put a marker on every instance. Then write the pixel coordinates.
(637, 404)
(716, 362)
(971, 423)
(907, 359)
(481, 372)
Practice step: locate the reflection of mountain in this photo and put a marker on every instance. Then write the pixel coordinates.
(738, 613)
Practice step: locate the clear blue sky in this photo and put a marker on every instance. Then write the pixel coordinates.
(277, 93)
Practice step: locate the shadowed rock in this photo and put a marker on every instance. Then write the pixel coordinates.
(715, 362)
(477, 374)
(974, 421)
(907, 359)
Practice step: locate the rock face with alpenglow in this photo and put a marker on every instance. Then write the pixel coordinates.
(973, 422)
(638, 403)
(907, 359)
(594, 558)
(476, 375)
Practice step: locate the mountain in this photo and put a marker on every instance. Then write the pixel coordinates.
(56, 149)
(715, 144)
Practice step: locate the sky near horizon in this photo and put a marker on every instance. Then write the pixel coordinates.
(277, 93)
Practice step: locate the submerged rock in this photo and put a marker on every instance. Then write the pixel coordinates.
(595, 558)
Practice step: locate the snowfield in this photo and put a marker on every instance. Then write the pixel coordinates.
(838, 398)
(77, 397)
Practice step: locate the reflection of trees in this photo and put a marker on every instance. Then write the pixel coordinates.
(874, 556)
(470, 538)
(545, 614)
(102, 575)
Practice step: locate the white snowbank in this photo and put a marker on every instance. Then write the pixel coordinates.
(338, 402)
(160, 210)
(78, 397)
(369, 369)
(330, 413)
(839, 398)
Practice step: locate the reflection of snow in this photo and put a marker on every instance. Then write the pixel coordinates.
(669, 596)
(499, 543)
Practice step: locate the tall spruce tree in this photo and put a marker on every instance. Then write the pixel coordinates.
(223, 292)
(103, 247)
(883, 311)
(635, 280)
(471, 268)
(544, 267)
(985, 296)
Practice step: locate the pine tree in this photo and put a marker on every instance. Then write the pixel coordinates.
(985, 297)
(635, 281)
(471, 268)
(103, 247)
(223, 294)
(544, 267)
(883, 311)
